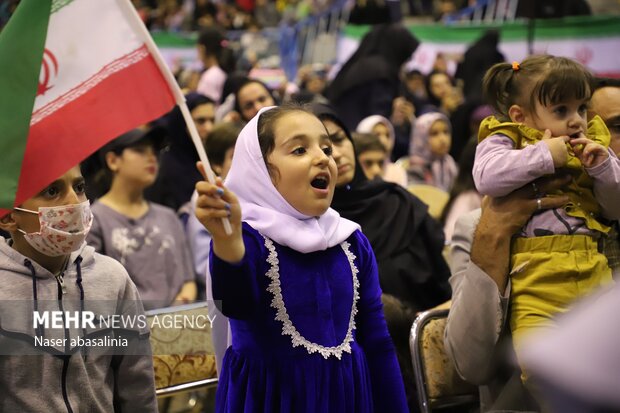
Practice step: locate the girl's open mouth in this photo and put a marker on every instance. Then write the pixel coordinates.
(320, 182)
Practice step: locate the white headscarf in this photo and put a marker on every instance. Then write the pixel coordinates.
(368, 123)
(264, 208)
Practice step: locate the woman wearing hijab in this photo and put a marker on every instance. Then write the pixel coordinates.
(369, 81)
(298, 282)
(177, 174)
(477, 60)
(407, 242)
(430, 161)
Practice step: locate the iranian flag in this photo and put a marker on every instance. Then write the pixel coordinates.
(74, 74)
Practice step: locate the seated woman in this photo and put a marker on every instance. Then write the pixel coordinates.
(407, 242)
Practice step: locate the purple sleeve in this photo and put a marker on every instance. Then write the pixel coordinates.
(373, 336)
(235, 286)
(499, 168)
(606, 178)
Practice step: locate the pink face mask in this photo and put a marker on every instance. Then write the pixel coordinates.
(63, 228)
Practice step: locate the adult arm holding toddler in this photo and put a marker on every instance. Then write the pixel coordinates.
(477, 337)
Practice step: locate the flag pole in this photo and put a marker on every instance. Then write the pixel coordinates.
(136, 23)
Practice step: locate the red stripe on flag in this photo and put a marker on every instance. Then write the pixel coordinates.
(125, 100)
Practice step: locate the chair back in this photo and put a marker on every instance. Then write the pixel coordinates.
(438, 384)
(183, 356)
(435, 198)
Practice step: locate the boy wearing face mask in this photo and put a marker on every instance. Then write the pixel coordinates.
(46, 265)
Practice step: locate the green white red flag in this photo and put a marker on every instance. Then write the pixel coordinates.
(74, 74)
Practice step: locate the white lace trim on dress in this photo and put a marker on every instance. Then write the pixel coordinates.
(288, 328)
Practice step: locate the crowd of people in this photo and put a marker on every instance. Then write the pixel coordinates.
(331, 255)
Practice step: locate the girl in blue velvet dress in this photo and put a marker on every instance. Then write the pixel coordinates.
(298, 282)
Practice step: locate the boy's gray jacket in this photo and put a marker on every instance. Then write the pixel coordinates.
(47, 369)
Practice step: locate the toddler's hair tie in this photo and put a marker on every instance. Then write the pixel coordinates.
(515, 66)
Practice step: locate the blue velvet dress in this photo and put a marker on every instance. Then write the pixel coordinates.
(262, 370)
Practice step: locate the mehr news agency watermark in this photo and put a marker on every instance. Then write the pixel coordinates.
(113, 327)
(89, 321)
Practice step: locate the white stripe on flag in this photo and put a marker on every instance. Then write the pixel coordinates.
(108, 70)
(90, 34)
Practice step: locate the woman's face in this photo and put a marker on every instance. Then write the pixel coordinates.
(302, 157)
(440, 85)
(252, 98)
(439, 138)
(383, 133)
(342, 152)
(204, 117)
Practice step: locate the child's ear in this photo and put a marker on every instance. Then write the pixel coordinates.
(7, 223)
(217, 169)
(516, 114)
(111, 161)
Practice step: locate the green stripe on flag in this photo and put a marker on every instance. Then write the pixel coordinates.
(21, 52)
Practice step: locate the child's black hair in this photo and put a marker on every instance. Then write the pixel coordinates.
(365, 142)
(221, 139)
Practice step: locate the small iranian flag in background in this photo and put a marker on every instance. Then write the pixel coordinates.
(74, 74)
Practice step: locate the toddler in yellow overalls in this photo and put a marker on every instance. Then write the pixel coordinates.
(541, 126)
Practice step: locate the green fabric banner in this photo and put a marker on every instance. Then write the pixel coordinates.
(578, 27)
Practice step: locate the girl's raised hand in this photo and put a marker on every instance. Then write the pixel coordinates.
(214, 203)
(590, 153)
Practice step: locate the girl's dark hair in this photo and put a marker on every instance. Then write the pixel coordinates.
(544, 78)
(216, 44)
(266, 134)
